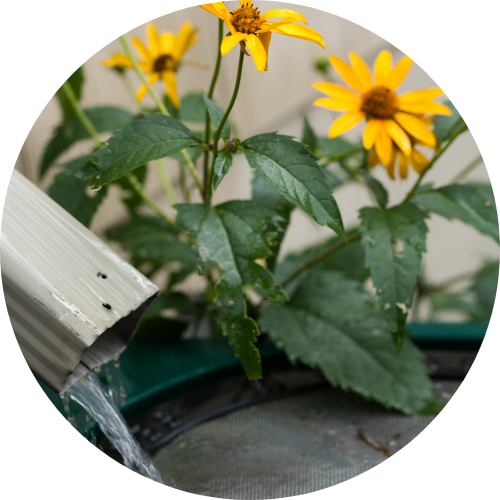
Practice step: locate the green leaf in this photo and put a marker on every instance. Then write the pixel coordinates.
(446, 126)
(229, 235)
(75, 81)
(147, 139)
(394, 240)
(484, 288)
(133, 201)
(473, 204)
(192, 108)
(223, 162)
(378, 190)
(308, 136)
(152, 240)
(337, 148)
(104, 118)
(333, 324)
(287, 166)
(216, 115)
(333, 179)
(73, 193)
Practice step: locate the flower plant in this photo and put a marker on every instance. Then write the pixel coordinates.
(315, 304)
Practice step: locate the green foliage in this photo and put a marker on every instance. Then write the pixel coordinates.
(308, 136)
(216, 115)
(287, 166)
(143, 140)
(377, 189)
(192, 108)
(151, 240)
(394, 240)
(473, 204)
(484, 288)
(104, 118)
(132, 201)
(229, 235)
(75, 81)
(222, 165)
(73, 193)
(333, 324)
(446, 126)
(337, 148)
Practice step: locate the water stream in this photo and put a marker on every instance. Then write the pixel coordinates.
(90, 394)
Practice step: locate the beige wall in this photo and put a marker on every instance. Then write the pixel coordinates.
(271, 101)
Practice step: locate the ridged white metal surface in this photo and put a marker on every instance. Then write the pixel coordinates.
(65, 288)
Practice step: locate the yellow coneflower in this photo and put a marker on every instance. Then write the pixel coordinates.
(161, 60)
(252, 30)
(392, 120)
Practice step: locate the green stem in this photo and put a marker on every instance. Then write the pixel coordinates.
(166, 182)
(161, 106)
(436, 157)
(182, 180)
(468, 169)
(320, 257)
(89, 127)
(210, 94)
(134, 182)
(221, 126)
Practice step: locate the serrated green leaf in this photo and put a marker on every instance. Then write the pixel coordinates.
(143, 140)
(216, 115)
(308, 136)
(150, 239)
(230, 236)
(223, 162)
(445, 126)
(394, 240)
(73, 193)
(287, 166)
(75, 81)
(104, 118)
(333, 324)
(378, 190)
(473, 204)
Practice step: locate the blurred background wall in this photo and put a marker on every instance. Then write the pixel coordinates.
(269, 101)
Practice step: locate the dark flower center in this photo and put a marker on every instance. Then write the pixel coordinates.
(246, 19)
(163, 63)
(379, 102)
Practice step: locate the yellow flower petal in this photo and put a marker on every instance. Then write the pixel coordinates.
(167, 45)
(257, 50)
(337, 104)
(217, 9)
(347, 73)
(416, 128)
(361, 71)
(299, 31)
(154, 41)
(119, 61)
(403, 166)
(271, 14)
(383, 146)
(383, 67)
(420, 95)
(372, 158)
(141, 49)
(184, 40)
(337, 91)
(371, 132)
(399, 73)
(230, 41)
(265, 38)
(398, 135)
(171, 88)
(418, 161)
(344, 123)
(271, 26)
(424, 107)
(392, 164)
(153, 77)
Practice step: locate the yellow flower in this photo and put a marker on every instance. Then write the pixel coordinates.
(391, 118)
(252, 30)
(161, 60)
(416, 158)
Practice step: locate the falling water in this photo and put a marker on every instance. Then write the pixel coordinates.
(90, 394)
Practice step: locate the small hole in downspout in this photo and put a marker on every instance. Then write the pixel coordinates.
(107, 306)
(101, 275)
